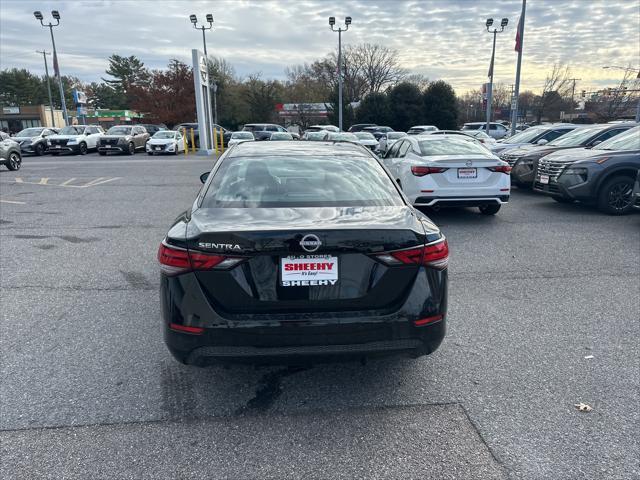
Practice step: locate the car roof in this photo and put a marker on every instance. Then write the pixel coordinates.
(296, 148)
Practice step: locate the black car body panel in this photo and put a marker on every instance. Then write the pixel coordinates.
(249, 313)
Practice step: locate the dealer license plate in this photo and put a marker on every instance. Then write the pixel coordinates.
(57, 146)
(544, 179)
(158, 148)
(467, 173)
(309, 270)
(107, 146)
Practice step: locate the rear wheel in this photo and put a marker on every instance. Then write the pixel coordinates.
(83, 148)
(150, 154)
(175, 150)
(132, 148)
(40, 149)
(616, 196)
(14, 161)
(491, 209)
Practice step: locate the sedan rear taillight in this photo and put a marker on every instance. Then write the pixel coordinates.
(501, 168)
(434, 255)
(419, 171)
(175, 260)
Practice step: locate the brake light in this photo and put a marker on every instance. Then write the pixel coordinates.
(175, 260)
(186, 329)
(501, 168)
(435, 255)
(420, 171)
(426, 321)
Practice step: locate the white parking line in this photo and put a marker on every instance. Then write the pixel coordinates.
(12, 201)
(67, 183)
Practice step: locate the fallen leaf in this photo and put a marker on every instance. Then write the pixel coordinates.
(583, 407)
(588, 357)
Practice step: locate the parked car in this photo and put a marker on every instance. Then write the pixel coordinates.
(239, 137)
(377, 131)
(10, 155)
(34, 139)
(528, 156)
(153, 129)
(358, 127)
(442, 171)
(165, 141)
(603, 175)
(388, 139)
(478, 136)
(186, 128)
(496, 129)
(280, 136)
(284, 234)
(75, 139)
(367, 139)
(636, 192)
(342, 137)
(263, 131)
(540, 135)
(420, 129)
(4, 136)
(123, 139)
(317, 136)
(319, 128)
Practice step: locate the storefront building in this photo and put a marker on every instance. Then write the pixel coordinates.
(14, 119)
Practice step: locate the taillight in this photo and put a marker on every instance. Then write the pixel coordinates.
(501, 168)
(174, 260)
(419, 171)
(435, 255)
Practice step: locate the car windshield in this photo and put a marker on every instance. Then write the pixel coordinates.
(164, 134)
(365, 136)
(479, 134)
(629, 140)
(71, 130)
(395, 135)
(242, 136)
(316, 135)
(451, 146)
(119, 131)
(526, 136)
(29, 132)
(576, 137)
(301, 181)
(342, 137)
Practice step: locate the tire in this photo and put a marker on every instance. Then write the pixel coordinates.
(150, 154)
(491, 209)
(615, 196)
(563, 200)
(14, 162)
(175, 151)
(132, 149)
(102, 154)
(55, 154)
(83, 148)
(39, 149)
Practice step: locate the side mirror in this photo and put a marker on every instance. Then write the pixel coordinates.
(542, 141)
(204, 177)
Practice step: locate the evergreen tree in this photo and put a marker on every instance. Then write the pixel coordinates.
(405, 105)
(374, 108)
(440, 108)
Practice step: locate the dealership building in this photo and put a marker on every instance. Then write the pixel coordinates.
(14, 119)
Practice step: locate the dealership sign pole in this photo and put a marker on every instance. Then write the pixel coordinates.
(203, 101)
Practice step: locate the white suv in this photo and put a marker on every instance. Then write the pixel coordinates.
(75, 139)
(496, 130)
(447, 170)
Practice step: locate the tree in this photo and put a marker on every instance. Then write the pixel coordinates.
(379, 66)
(101, 95)
(261, 97)
(21, 87)
(617, 102)
(348, 114)
(417, 79)
(374, 108)
(127, 73)
(405, 105)
(557, 87)
(440, 109)
(168, 96)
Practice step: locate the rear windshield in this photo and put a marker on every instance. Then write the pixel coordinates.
(253, 128)
(451, 146)
(305, 181)
(119, 131)
(242, 136)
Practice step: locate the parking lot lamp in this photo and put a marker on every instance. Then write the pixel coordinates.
(332, 23)
(495, 31)
(56, 68)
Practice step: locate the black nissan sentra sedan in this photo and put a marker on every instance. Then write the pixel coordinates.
(296, 252)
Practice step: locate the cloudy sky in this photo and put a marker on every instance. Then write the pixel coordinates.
(442, 39)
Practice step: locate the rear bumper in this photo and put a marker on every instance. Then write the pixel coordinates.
(461, 201)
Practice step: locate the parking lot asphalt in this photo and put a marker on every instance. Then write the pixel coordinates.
(543, 314)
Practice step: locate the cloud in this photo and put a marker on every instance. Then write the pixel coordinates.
(442, 39)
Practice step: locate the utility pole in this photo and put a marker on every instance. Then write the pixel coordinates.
(573, 92)
(516, 91)
(46, 72)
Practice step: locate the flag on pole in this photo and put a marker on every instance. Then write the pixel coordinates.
(56, 70)
(519, 35)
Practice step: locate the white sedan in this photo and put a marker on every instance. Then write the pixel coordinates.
(388, 139)
(165, 141)
(367, 139)
(241, 137)
(447, 170)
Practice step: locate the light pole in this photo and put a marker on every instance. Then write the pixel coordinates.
(629, 69)
(332, 22)
(495, 31)
(214, 87)
(56, 69)
(46, 72)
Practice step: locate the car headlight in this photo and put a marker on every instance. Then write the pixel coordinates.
(72, 141)
(575, 175)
